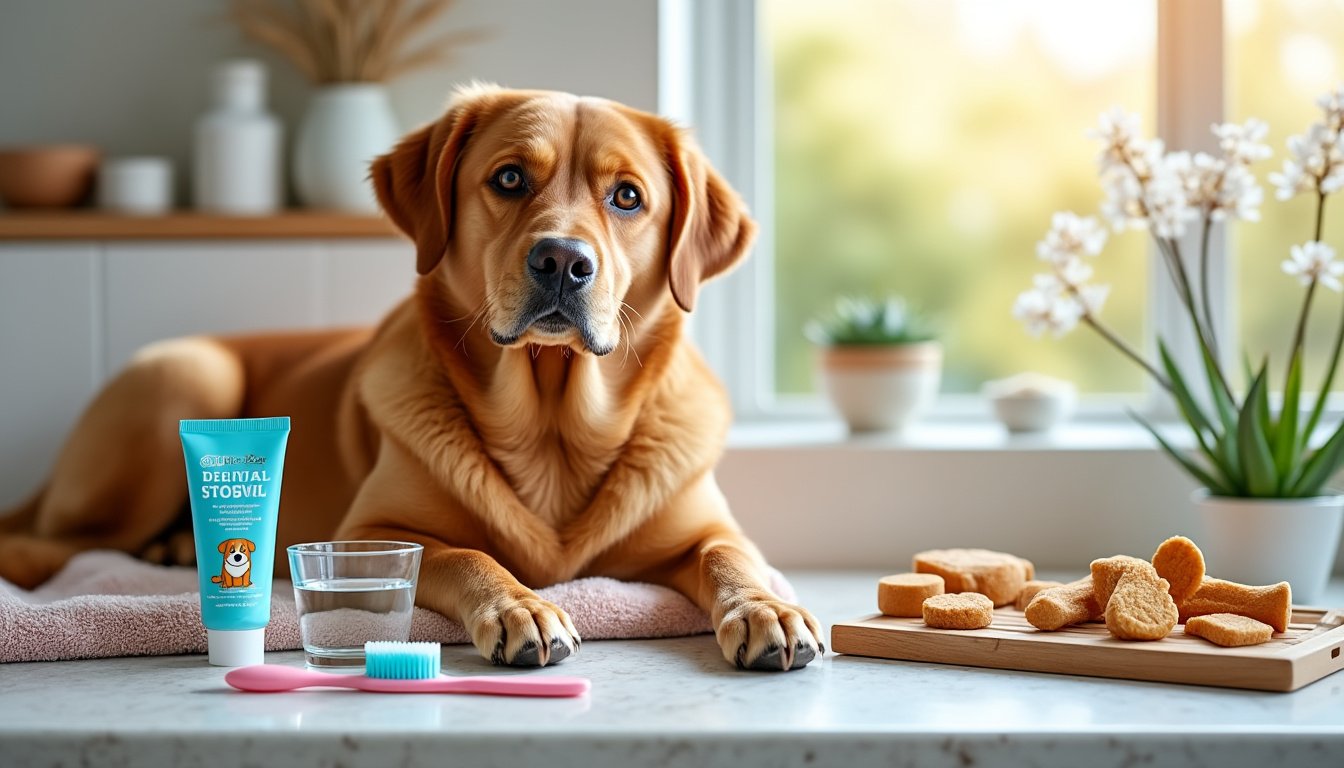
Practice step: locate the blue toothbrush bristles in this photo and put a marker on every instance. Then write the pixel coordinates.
(391, 660)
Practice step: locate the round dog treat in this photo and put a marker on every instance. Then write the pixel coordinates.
(1058, 607)
(966, 610)
(1030, 590)
(1181, 563)
(904, 594)
(1141, 607)
(996, 575)
(1228, 629)
(1272, 604)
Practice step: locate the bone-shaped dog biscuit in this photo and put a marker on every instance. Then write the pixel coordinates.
(1059, 607)
(1272, 604)
(1181, 563)
(996, 575)
(904, 594)
(1030, 590)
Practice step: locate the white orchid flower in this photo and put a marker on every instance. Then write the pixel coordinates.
(1243, 144)
(1071, 237)
(1046, 307)
(1313, 261)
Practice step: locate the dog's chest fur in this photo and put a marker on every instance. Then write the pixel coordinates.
(557, 450)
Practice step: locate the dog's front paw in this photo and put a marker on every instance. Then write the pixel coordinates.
(524, 632)
(769, 635)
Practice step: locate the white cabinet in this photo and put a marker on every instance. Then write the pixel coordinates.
(72, 313)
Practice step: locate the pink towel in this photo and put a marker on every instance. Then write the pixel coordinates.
(107, 603)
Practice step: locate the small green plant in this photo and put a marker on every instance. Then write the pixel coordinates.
(869, 322)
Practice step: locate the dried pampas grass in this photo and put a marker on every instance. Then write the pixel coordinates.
(349, 41)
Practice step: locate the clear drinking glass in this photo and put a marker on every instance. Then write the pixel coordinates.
(350, 592)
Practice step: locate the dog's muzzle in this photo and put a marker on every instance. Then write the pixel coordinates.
(562, 270)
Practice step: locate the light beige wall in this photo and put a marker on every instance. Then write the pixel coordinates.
(131, 75)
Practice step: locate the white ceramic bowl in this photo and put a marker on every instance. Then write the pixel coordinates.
(1031, 403)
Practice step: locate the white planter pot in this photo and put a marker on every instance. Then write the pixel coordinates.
(346, 126)
(878, 388)
(1264, 541)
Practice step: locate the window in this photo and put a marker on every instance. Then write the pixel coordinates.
(920, 146)
(1281, 56)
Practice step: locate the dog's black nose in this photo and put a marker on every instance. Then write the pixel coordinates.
(560, 263)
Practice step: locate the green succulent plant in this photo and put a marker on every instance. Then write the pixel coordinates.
(859, 321)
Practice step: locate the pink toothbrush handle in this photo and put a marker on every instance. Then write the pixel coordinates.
(531, 685)
(270, 678)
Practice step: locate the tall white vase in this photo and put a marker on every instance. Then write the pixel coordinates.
(1263, 541)
(345, 127)
(236, 164)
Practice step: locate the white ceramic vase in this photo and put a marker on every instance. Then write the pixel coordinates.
(346, 126)
(236, 164)
(880, 388)
(1264, 541)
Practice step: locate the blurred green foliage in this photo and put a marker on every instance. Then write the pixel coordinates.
(910, 160)
(863, 321)
(1281, 56)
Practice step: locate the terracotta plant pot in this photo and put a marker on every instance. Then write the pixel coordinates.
(47, 175)
(879, 388)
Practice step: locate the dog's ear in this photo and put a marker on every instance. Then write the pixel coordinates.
(250, 546)
(415, 181)
(711, 228)
(223, 545)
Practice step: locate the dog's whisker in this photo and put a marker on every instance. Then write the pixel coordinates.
(629, 337)
(485, 305)
(632, 309)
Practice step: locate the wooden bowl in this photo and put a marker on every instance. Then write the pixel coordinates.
(47, 175)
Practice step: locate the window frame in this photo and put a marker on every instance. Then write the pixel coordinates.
(714, 74)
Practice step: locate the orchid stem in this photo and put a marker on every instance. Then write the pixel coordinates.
(1125, 349)
(1182, 281)
(1204, 284)
(1339, 338)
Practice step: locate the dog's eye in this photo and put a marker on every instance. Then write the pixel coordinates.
(626, 197)
(509, 180)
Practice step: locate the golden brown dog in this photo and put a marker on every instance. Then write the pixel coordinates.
(531, 415)
(236, 568)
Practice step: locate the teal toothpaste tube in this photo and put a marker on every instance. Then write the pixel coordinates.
(234, 468)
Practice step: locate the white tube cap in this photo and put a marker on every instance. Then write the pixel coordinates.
(236, 648)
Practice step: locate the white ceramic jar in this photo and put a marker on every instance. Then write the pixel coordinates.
(237, 159)
(136, 186)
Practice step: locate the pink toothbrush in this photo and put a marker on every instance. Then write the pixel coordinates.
(399, 667)
(273, 677)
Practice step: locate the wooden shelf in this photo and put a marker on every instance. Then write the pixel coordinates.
(94, 225)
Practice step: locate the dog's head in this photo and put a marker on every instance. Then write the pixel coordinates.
(236, 551)
(550, 214)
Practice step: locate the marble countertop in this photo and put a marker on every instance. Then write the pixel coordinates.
(667, 702)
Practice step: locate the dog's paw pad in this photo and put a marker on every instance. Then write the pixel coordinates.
(530, 654)
(559, 651)
(527, 656)
(774, 659)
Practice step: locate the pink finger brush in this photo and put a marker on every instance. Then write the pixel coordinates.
(402, 668)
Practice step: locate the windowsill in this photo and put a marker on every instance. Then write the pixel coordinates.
(945, 436)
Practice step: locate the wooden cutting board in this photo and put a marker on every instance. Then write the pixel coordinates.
(1312, 648)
